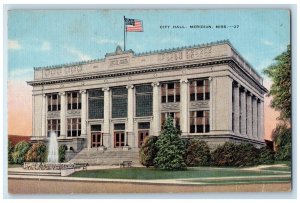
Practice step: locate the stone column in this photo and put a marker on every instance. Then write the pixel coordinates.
(106, 117)
(83, 113)
(130, 115)
(260, 120)
(44, 116)
(243, 114)
(236, 109)
(254, 118)
(62, 115)
(249, 116)
(184, 101)
(156, 108)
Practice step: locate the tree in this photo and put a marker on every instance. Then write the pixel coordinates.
(148, 151)
(281, 89)
(10, 151)
(171, 148)
(282, 136)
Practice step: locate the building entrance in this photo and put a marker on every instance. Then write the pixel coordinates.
(96, 139)
(119, 137)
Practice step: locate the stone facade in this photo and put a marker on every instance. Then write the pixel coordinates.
(229, 107)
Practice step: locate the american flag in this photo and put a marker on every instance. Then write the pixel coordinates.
(133, 25)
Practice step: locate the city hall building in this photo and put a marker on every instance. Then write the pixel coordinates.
(209, 90)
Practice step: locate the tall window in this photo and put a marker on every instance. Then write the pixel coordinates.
(96, 104)
(199, 90)
(119, 102)
(74, 100)
(53, 126)
(74, 127)
(170, 92)
(143, 100)
(53, 102)
(199, 122)
(174, 115)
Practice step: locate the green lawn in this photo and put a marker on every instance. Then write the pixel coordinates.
(151, 173)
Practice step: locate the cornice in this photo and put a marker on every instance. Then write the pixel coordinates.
(227, 61)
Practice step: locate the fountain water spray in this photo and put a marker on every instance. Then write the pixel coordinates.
(53, 149)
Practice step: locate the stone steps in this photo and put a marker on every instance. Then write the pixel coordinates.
(106, 157)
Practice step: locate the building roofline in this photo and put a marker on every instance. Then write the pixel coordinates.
(152, 52)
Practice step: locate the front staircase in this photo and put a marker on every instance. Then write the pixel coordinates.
(114, 156)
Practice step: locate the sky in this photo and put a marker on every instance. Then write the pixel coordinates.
(42, 38)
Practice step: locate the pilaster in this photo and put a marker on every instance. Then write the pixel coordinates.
(83, 113)
(184, 100)
(62, 114)
(243, 113)
(254, 118)
(156, 108)
(44, 116)
(106, 117)
(130, 109)
(236, 109)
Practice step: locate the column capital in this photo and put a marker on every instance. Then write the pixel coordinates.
(82, 91)
(129, 86)
(184, 81)
(254, 97)
(62, 93)
(249, 93)
(155, 84)
(210, 78)
(105, 89)
(44, 95)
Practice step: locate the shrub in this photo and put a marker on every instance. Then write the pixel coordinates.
(62, 152)
(10, 149)
(171, 148)
(230, 154)
(197, 153)
(37, 153)
(20, 150)
(148, 151)
(266, 156)
(282, 136)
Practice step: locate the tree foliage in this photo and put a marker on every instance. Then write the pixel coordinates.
(10, 151)
(197, 153)
(282, 136)
(171, 148)
(62, 153)
(148, 151)
(281, 89)
(20, 150)
(37, 153)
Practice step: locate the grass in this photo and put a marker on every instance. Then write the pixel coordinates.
(151, 173)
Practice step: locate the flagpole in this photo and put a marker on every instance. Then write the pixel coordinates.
(124, 34)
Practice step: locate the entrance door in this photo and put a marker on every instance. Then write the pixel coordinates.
(119, 138)
(96, 139)
(142, 134)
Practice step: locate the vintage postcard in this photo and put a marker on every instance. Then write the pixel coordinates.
(149, 101)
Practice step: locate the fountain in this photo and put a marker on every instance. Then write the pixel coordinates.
(53, 149)
(52, 163)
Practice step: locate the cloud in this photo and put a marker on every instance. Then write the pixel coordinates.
(267, 43)
(14, 45)
(77, 53)
(46, 46)
(106, 41)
